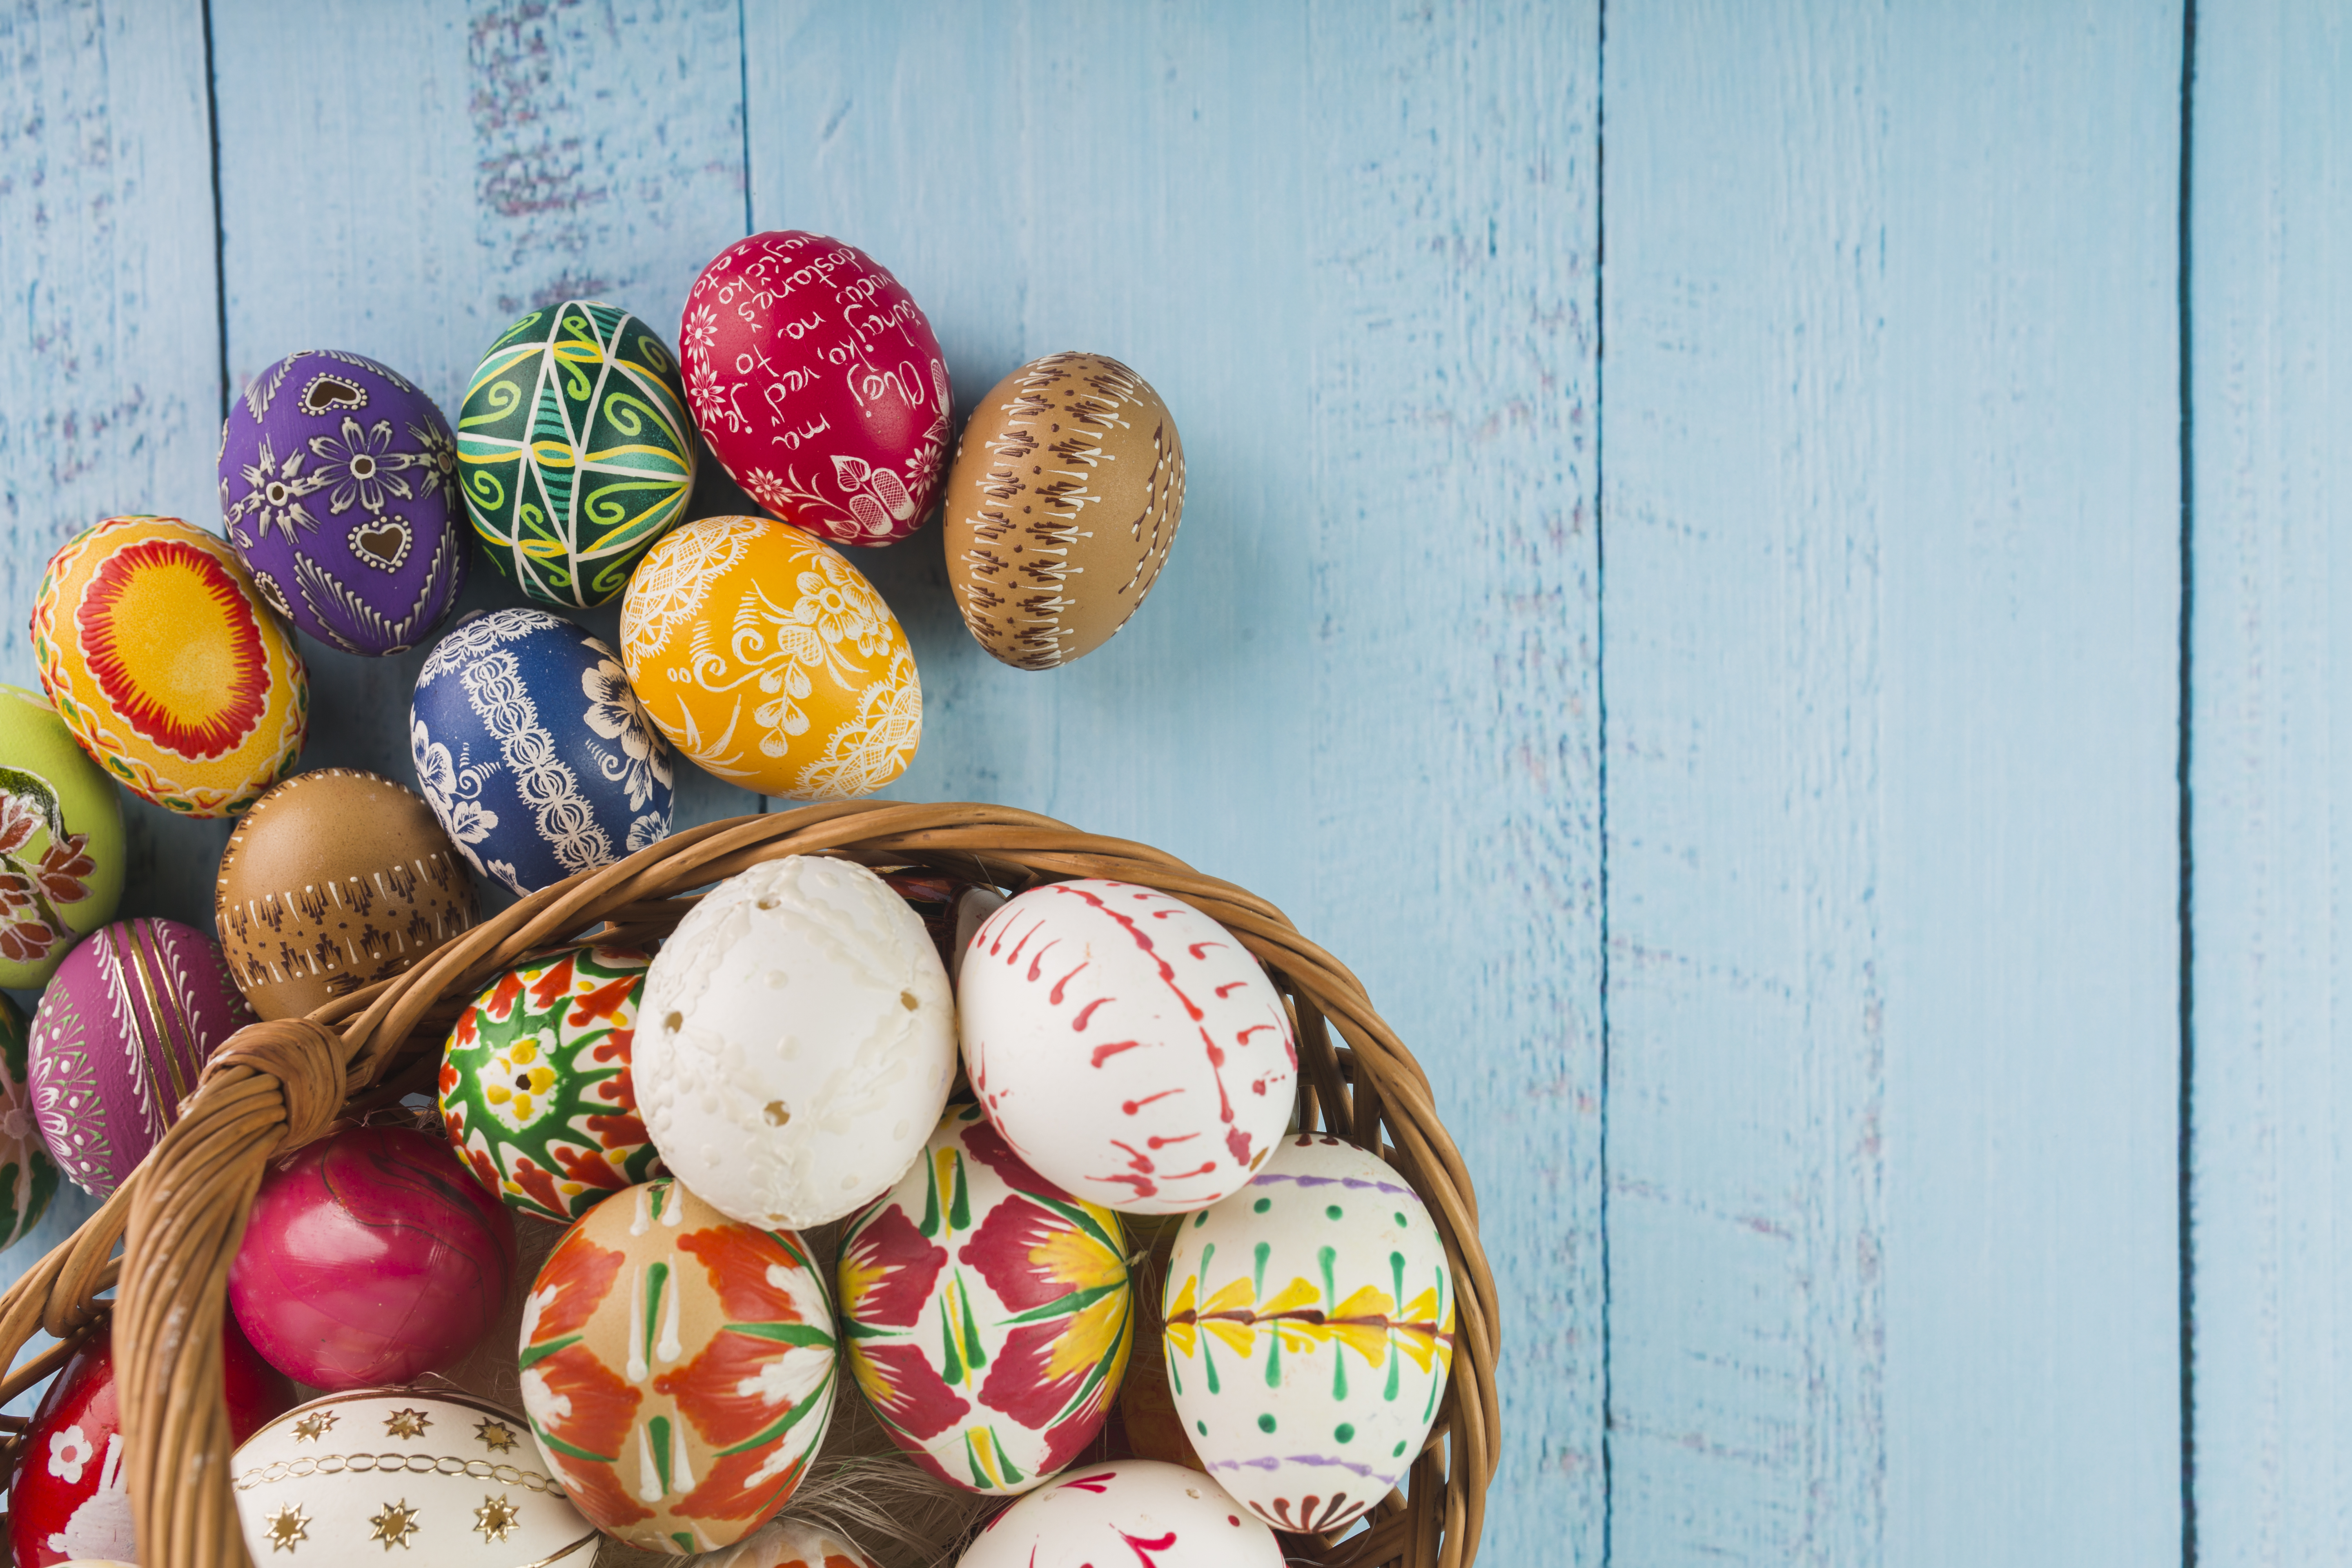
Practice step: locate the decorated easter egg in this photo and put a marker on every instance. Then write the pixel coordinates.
(677, 1368)
(790, 1543)
(799, 1044)
(535, 1084)
(532, 752)
(29, 1177)
(764, 656)
(817, 382)
(1100, 1515)
(117, 1042)
(167, 664)
(1310, 1333)
(334, 879)
(986, 1312)
(1067, 487)
(1125, 1045)
(574, 449)
(1143, 1424)
(439, 1478)
(339, 489)
(61, 849)
(70, 1498)
(370, 1256)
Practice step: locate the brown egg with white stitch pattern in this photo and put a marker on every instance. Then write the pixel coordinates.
(1059, 512)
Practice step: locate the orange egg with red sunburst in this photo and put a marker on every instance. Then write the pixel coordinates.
(165, 663)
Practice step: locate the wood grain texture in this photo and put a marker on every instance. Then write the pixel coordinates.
(1891, 604)
(2272, 661)
(519, 154)
(1354, 249)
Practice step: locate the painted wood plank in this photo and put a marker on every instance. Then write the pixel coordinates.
(520, 153)
(107, 267)
(1891, 600)
(2273, 656)
(1354, 248)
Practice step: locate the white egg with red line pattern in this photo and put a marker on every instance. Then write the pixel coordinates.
(1128, 1047)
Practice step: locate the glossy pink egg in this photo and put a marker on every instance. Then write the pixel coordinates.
(818, 384)
(372, 1257)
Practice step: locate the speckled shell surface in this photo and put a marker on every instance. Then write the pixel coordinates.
(29, 1177)
(798, 1043)
(1129, 1511)
(763, 656)
(336, 878)
(403, 1475)
(532, 752)
(168, 665)
(574, 450)
(61, 844)
(118, 1039)
(816, 380)
(535, 1088)
(1061, 508)
(339, 489)
(1125, 1045)
(1309, 1333)
(986, 1313)
(677, 1369)
(70, 1495)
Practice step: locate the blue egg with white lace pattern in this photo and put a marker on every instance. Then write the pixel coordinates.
(532, 749)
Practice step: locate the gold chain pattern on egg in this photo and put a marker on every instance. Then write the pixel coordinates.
(394, 1464)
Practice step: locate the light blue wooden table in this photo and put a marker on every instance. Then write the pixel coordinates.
(1817, 729)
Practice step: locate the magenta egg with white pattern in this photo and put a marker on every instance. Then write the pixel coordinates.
(121, 1034)
(1128, 1047)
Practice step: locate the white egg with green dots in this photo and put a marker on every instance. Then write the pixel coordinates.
(1309, 1333)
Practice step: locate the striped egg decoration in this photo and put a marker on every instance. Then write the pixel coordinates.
(117, 1042)
(29, 1177)
(574, 450)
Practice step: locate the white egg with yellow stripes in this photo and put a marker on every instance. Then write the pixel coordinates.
(1309, 1333)
(432, 1478)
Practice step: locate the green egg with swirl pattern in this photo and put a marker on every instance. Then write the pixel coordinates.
(574, 450)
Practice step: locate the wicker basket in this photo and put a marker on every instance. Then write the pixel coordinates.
(275, 1086)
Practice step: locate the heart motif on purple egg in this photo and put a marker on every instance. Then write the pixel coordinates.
(382, 545)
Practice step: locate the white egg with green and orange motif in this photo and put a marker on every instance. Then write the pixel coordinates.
(1309, 1333)
(535, 1089)
(988, 1314)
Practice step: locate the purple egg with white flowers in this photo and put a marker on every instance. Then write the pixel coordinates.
(339, 491)
(121, 1034)
(531, 748)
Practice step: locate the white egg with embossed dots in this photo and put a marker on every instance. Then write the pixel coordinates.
(1128, 1047)
(438, 1477)
(795, 1042)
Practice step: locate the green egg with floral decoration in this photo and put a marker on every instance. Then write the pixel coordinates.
(29, 1177)
(61, 845)
(535, 1088)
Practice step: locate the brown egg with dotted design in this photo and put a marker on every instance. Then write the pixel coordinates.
(1067, 487)
(335, 879)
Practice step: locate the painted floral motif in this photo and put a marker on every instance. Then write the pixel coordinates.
(988, 1313)
(535, 1088)
(558, 794)
(1310, 1323)
(677, 1368)
(29, 1177)
(156, 649)
(769, 660)
(577, 450)
(37, 882)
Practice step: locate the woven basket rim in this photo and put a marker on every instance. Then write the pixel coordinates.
(278, 1084)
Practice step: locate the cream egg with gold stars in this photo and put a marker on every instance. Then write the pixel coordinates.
(440, 1478)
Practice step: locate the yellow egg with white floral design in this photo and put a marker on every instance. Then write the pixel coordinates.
(1310, 1330)
(763, 654)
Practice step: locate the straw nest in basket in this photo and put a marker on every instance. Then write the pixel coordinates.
(276, 1085)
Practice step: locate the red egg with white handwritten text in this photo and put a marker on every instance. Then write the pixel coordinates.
(1125, 1045)
(815, 379)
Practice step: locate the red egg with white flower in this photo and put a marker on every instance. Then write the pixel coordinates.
(818, 382)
